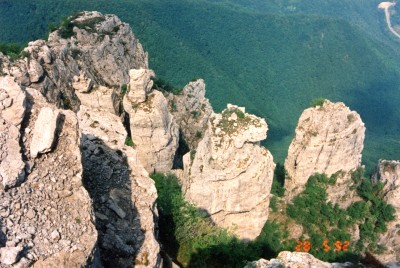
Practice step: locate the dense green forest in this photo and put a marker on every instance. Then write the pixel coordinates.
(273, 57)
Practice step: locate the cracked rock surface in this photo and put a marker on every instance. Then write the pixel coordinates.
(47, 220)
(230, 174)
(328, 139)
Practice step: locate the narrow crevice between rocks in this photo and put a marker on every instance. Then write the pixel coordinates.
(182, 149)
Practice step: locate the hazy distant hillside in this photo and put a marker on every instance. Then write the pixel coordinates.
(273, 57)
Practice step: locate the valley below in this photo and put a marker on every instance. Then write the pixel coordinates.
(136, 139)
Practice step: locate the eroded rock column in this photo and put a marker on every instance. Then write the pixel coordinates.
(154, 132)
(328, 139)
(230, 174)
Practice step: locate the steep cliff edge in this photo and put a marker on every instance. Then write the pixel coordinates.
(49, 156)
(328, 139)
(229, 174)
(388, 173)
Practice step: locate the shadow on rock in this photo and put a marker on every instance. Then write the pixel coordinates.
(106, 177)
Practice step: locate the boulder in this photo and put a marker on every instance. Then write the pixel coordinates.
(44, 133)
(9, 255)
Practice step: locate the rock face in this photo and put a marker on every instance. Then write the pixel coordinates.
(47, 220)
(230, 174)
(99, 50)
(388, 172)
(124, 196)
(58, 182)
(191, 111)
(12, 110)
(154, 132)
(44, 131)
(288, 259)
(328, 139)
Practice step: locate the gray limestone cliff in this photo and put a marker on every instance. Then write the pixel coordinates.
(328, 139)
(229, 174)
(388, 172)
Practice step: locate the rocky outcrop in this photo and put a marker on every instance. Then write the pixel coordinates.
(95, 49)
(288, 259)
(12, 110)
(388, 172)
(124, 197)
(191, 111)
(47, 220)
(329, 138)
(140, 85)
(230, 174)
(154, 132)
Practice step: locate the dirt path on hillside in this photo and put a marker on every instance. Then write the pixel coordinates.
(386, 6)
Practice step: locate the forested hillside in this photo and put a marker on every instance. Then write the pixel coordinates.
(273, 57)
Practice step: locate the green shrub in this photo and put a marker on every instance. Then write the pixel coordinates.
(195, 114)
(173, 106)
(317, 216)
(317, 102)
(240, 114)
(124, 88)
(75, 53)
(273, 203)
(192, 154)
(12, 50)
(129, 142)
(278, 180)
(199, 134)
(65, 29)
(25, 54)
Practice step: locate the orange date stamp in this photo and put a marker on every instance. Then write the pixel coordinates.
(337, 246)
